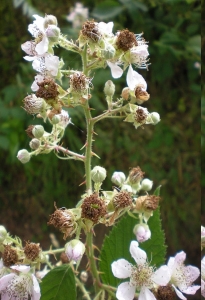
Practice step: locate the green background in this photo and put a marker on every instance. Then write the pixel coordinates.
(168, 153)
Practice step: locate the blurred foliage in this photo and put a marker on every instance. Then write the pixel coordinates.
(169, 153)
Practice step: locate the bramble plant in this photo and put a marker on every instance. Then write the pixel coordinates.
(135, 247)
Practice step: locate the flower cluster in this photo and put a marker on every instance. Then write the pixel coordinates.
(148, 281)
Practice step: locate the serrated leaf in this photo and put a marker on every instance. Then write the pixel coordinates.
(107, 10)
(116, 245)
(59, 283)
(157, 191)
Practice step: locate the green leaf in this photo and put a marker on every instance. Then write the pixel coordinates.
(157, 191)
(107, 10)
(116, 245)
(59, 283)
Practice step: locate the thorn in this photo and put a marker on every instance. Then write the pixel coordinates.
(84, 182)
(93, 153)
(94, 132)
(84, 146)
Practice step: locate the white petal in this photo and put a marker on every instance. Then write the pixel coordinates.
(116, 71)
(42, 47)
(36, 294)
(134, 79)
(52, 63)
(4, 281)
(192, 272)
(5, 297)
(138, 254)
(179, 294)
(161, 276)
(29, 58)
(37, 65)
(21, 268)
(180, 257)
(39, 22)
(145, 294)
(125, 291)
(121, 268)
(170, 263)
(191, 289)
(28, 47)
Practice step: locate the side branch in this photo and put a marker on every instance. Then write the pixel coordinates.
(108, 114)
(71, 153)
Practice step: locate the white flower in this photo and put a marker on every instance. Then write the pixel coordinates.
(17, 287)
(143, 277)
(105, 29)
(182, 277)
(74, 250)
(203, 277)
(142, 232)
(118, 178)
(78, 15)
(64, 119)
(134, 79)
(116, 71)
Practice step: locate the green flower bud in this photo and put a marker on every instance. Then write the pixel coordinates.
(50, 20)
(109, 88)
(118, 178)
(24, 156)
(53, 33)
(155, 117)
(98, 174)
(74, 250)
(34, 144)
(109, 52)
(55, 119)
(38, 131)
(146, 184)
(3, 233)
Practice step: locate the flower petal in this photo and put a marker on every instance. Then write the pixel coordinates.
(134, 79)
(42, 47)
(145, 294)
(125, 291)
(138, 254)
(4, 281)
(192, 272)
(36, 294)
(116, 71)
(161, 276)
(179, 294)
(191, 289)
(21, 268)
(180, 257)
(121, 268)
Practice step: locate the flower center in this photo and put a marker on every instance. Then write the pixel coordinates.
(20, 288)
(141, 275)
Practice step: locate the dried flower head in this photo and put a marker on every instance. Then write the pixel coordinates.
(90, 30)
(93, 208)
(165, 293)
(136, 175)
(126, 40)
(147, 203)
(48, 89)
(141, 93)
(79, 82)
(140, 115)
(122, 199)
(29, 131)
(9, 256)
(32, 104)
(63, 219)
(32, 251)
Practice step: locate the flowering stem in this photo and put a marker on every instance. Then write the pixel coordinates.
(108, 114)
(81, 286)
(68, 152)
(64, 43)
(54, 251)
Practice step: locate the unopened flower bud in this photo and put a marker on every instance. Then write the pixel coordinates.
(109, 88)
(127, 188)
(118, 178)
(98, 174)
(34, 144)
(50, 20)
(55, 119)
(38, 131)
(146, 184)
(142, 232)
(108, 52)
(24, 156)
(155, 117)
(3, 233)
(74, 250)
(53, 33)
(125, 93)
(84, 276)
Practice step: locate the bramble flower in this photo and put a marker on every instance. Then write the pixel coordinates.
(182, 277)
(142, 232)
(78, 15)
(22, 286)
(118, 178)
(74, 250)
(203, 277)
(143, 277)
(39, 31)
